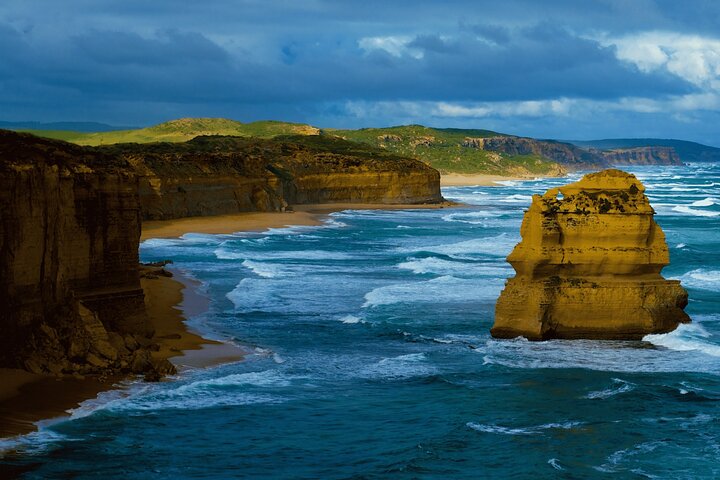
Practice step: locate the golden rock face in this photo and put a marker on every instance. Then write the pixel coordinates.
(588, 266)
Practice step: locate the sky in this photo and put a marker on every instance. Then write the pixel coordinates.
(564, 69)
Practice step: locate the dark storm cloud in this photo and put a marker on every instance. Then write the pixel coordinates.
(141, 62)
(170, 47)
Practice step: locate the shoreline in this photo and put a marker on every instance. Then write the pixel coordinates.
(27, 399)
(302, 215)
(479, 180)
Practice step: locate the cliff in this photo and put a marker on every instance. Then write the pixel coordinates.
(70, 290)
(220, 175)
(565, 154)
(687, 151)
(69, 282)
(588, 266)
(642, 156)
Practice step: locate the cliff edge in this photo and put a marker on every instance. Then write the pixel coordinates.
(216, 175)
(71, 300)
(69, 282)
(588, 266)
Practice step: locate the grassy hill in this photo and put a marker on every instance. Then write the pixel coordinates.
(446, 149)
(180, 131)
(688, 151)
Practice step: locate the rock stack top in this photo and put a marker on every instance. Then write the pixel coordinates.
(588, 266)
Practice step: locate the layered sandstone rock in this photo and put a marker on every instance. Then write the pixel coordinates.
(563, 153)
(70, 293)
(588, 266)
(642, 156)
(217, 175)
(69, 284)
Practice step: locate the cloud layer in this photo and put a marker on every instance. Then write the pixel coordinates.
(559, 69)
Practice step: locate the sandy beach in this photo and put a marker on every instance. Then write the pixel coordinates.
(259, 221)
(482, 180)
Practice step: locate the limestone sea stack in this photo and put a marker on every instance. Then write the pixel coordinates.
(588, 266)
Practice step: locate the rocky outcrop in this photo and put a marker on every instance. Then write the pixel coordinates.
(642, 156)
(563, 153)
(70, 294)
(588, 266)
(222, 175)
(69, 285)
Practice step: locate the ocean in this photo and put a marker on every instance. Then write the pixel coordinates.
(371, 358)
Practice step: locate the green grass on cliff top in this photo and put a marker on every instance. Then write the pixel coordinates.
(442, 148)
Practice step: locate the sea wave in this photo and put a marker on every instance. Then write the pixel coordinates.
(687, 337)
(474, 218)
(265, 270)
(706, 202)
(609, 356)
(351, 319)
(701, 278)
(33, 443)
(400, 367)
(449, 267)
(517, 198)
(499, 245)
(620, 386)
(534, 430)
(445, 289)
(695, 212)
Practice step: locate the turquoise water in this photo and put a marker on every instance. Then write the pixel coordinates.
(372, 359)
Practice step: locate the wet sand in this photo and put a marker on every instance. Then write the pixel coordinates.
(26, 398)
(225, 223)
(259, 221)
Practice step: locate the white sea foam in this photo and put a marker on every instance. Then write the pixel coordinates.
(706, 202)
(695, 212)
(265, 270)
(619, 456)
(555, 463)
(620, 386)
(351, 319)
(499, 245)
(607, 356)
(687, 337)
(474, 218)
(227, 254)
(33, 443)
(445, 289)
(701, 278)
(680, 245)
(265, 378)
(534, 430)
(517, 198)
(448, 267)
(400, 367)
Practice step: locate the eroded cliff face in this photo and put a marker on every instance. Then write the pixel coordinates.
(642, 156)
(563, 153)
(222, 175)
(588, 266)
(69, 285)
(70, 294)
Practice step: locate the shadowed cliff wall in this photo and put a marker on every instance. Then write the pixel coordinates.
(69, 231)
(221, 175)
